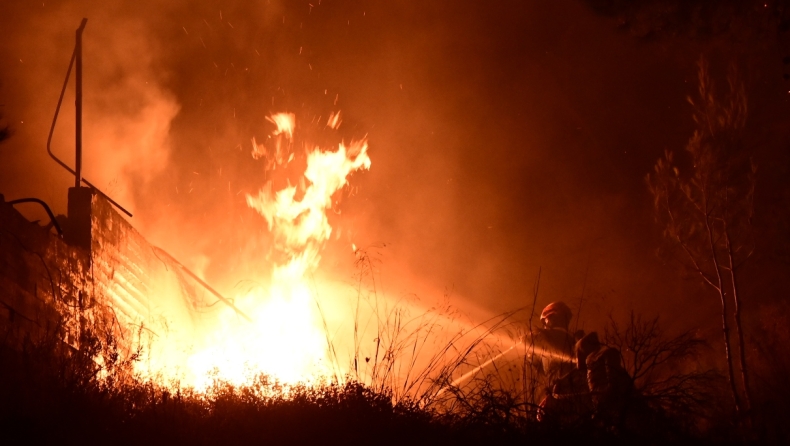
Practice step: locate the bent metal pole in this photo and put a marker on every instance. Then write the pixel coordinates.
(52, 132)
(78, 104)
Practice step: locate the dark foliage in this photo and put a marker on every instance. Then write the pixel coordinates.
(696, 18)
(673, 392)
(54, 394)
(770, 336)
(50, 396)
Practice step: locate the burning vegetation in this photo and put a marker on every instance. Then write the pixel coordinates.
(274, 352)
(272, 312)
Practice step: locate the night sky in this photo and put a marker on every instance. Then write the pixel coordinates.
(504, 136)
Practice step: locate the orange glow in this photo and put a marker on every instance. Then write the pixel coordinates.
(283, 137)
(280, 327)
(285, 338)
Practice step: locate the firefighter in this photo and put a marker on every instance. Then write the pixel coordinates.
(570, 402)
(611, 387)
(553, 348)
(555, 340)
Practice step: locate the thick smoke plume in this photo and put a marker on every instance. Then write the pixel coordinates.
(505, 139)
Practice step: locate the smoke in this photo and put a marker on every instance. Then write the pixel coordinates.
(129, 115)
(126, 112)
(504, 139)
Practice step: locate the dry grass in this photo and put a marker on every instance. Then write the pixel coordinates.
(401, 389)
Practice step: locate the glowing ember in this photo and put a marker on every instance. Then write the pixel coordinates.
(286, 338)
(286, 124)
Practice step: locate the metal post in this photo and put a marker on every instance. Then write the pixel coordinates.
(78, 52)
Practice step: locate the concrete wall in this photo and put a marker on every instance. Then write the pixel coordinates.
(42, 279)
(152, 294)
(145, 294)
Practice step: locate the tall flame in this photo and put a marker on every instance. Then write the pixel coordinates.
(285, 339)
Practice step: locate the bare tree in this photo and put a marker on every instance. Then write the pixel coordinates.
(664, 368)
(706, 209)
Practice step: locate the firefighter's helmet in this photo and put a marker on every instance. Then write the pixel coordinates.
(559, 313)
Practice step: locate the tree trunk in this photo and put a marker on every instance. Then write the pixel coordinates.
(725, 326)
(739, 329)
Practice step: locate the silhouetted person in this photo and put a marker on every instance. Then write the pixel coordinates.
(570, 402)
(611, 388)
(552, 354)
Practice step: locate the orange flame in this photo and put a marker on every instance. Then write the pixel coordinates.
(286, 339)
(286, 124)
